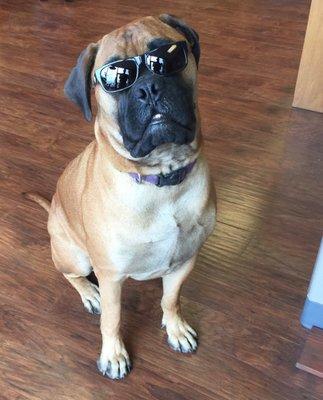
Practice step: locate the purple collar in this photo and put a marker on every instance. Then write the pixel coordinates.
(173, 178)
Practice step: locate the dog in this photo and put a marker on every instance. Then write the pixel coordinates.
(138, 202)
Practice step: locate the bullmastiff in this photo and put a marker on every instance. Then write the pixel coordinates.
(138, 201)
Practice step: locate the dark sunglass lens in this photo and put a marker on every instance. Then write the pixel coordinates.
(167, 59)
(119, 75)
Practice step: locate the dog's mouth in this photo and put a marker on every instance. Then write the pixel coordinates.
(164, 119)
(161, 129)
(158, 118)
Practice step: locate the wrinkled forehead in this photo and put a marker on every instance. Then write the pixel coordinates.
(135, 38)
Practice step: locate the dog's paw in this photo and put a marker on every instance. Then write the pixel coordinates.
(114, 361)
(91, 299)
(181, 337)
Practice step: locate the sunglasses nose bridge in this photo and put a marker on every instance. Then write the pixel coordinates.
(141, 64)
(138, 59)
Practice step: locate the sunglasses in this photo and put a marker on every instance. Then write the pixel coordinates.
(120, 75)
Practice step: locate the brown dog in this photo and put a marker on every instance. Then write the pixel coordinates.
(137, 202)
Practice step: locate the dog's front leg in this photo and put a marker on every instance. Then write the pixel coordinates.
(181, 337)
(114, 360)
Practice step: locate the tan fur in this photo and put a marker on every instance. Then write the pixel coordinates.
(38, 199)
(101, 219)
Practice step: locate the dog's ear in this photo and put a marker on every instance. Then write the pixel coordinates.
(190, 34)
(78, 85)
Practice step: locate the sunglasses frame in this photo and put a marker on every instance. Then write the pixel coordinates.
(141, 59)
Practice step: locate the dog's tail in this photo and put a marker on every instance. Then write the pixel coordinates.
(38, 199)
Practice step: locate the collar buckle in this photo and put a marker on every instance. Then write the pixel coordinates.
(173, 178)
(138, 177)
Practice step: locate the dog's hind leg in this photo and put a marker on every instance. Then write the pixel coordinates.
(75, 265)
(67, 256)
(88, 291)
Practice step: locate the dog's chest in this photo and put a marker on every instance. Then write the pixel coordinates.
(158, 235)
(157, 246)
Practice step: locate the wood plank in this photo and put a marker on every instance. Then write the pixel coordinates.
(311, 359)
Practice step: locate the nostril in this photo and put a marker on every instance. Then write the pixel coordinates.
(141, 94)
(154, 89)
(148, 92)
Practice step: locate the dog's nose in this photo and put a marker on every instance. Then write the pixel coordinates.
(148, 91)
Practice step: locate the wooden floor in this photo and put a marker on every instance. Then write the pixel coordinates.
(246, 294)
